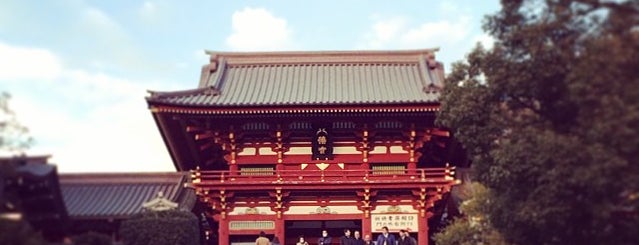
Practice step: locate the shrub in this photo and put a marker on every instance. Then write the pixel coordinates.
(18, 233)
(92, 238)
(172, 227)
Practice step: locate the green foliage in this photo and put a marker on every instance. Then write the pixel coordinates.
(92, 238)
(474, 227)
(161, 228)
(13, 135)
(550, 117)
(459, 232)
(18, 233)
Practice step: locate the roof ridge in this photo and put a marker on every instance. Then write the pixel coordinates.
(120, 178)
(321, 57)
(322, 52)
(327, 63)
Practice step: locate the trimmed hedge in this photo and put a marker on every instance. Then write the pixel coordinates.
(172, 227)
(18, 233)
(92, 238)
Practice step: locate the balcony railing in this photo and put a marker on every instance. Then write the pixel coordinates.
(445, 174)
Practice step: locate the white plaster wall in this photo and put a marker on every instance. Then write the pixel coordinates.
(247, 152)
(384, 208)
(260, 210)
(313, 210)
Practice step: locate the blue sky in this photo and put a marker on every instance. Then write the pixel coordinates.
(78, 71)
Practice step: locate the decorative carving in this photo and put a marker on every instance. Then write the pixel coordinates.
(366, 201)
(425, 199)
(251, 211)
(233, 146)
(322, 165)
(223, 204)
(394, 209)
(364, 146)
(279, 144)
(160, 203)
(278, 206)
(323, 210)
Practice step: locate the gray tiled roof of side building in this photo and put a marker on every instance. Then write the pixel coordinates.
(97, 196)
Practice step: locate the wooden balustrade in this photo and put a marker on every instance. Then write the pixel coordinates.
(323, 176)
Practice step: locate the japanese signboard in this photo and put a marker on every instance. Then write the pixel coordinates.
(394, 222)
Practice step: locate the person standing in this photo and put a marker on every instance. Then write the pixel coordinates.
(346, 239)
(385, 238)
(325, 239)
(357, 238)
(262, 240)
(405, 239)
(368, 240)
(276, 241)
(301, 241)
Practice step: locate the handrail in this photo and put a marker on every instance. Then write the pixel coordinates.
(364, 175)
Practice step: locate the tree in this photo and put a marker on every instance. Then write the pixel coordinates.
(13, 135)
(549, 116)
(474, 227)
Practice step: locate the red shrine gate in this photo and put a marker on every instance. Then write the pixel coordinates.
(287, 142)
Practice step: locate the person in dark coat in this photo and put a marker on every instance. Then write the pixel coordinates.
(357, 238)
(385, 238)
(325, 239)
(276, 241)
(346, 239)
(405, 239)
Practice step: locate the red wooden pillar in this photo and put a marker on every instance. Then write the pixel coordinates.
(366, 225)
(365, 207)
(223, 230)
(280, 232)
(234, 169)
(422, 233)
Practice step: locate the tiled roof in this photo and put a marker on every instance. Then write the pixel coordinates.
(313, 78)
(99, 196)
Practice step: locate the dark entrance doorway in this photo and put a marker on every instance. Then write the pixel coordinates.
(312, 229)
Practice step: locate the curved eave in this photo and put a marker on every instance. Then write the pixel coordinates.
(297, 109)
(178, 152)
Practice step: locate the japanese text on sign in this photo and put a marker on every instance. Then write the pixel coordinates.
(394, 222)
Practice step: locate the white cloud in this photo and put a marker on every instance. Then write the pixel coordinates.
(89, 122)
(384, 32)
(397, 33)
(454, 35)
(156, 12)
(104, 30)
(148, 10)
(486, 40)
(99, 19)
(108, 42)
(118, 137)
(433, 33)
(27, 63)
(448, 7)
(257, 29)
